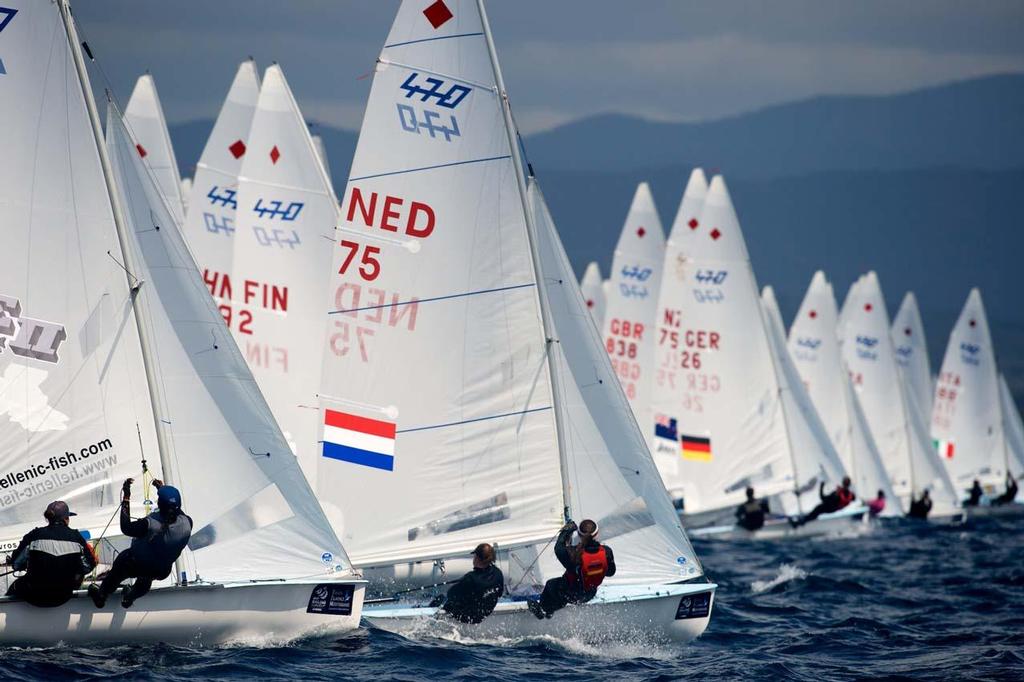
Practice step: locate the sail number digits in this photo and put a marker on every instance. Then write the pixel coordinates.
(621, 345)
(946, 390)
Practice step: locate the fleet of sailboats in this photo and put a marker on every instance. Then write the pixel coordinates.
(353, 395)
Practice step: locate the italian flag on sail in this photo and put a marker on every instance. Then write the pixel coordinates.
(944, 448)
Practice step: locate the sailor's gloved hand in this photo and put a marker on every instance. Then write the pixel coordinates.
(157, 483)
(570, 526)
(126, 489)
(437, 601)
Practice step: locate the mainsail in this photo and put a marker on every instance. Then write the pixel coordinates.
(814, 348)
(321, 152)
(281, 263)
(912, 352)
(1013, 426)
(595, 292)
(145, 118)
(896, 421)
(632, 301)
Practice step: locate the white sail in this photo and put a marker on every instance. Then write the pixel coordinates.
(669, 389)
(145, 118)
(814, 348)
(438, 400)
(1014, 429)
(632, 301)
(321, 153)
(186, 192)
(912, 352)
(966, 421)
(896, 421)
(75, 417)
(595, 292)
(241, 482)
(210, 224)
(283, 245)
(612, 477)
(733, 426)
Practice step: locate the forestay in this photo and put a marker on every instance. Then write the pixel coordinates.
(75, 418)
(814, 348)
(1013, 428)
(966, 423)
(611, 476)
(241, 483)
(632, 301)
(210, 224)
(896, 422)
(439, 428)
(668, 389)
(595, 292)
(912, 352)
(145, 118)
(283, 245)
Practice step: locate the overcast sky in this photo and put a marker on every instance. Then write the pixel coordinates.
(565, 59)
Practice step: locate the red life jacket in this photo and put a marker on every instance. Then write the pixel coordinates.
(593, 566)
(845, 496)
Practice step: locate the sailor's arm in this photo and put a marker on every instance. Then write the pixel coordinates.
(610, 556)
(563, 548)
(133, 529)
(19, 560)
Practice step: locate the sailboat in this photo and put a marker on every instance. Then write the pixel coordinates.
(814, 347)
(122, 360)
(967, 423)
(1013, 427)
(281, 263)
(741, 421)
(186, 192)
(632, 301)
(210, 223)
(144, 116)
(896, 421)
(912, 352)
(595, 291)
(481, 405)
(321, 152)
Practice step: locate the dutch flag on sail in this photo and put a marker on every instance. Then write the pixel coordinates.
(360, 440)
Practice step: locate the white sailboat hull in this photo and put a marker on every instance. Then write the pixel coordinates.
(842, 522)
(645, 614)
(987, 510)
(196, 615)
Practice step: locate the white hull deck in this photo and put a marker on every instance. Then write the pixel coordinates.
(842, 522)
(987, 510)
(655, 614)
(195, 615)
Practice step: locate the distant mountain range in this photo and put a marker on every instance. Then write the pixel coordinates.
(923, 187)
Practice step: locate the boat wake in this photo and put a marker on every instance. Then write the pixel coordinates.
(786, 573)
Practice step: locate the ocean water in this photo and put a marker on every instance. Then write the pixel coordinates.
(902, 602)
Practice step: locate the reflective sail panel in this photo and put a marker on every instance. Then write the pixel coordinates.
(438, 427)
(145, 118)
(74, 412)
(912, 352)
(632, 301)
(281, 265)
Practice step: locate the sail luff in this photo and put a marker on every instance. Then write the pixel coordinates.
(531, 235)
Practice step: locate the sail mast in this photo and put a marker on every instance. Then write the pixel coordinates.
(531, 233)
(122, 239)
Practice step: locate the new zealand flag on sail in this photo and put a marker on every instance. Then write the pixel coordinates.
(666, 427)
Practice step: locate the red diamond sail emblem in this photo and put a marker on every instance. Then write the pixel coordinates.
(693, 223)
(868, 307)
(972, 323)
(641, 232)
(274, 154)
(813, 314)
(907, 331)
(141, 149)
(438, 14)
(715, 234)
(590, 303)
(237, 149)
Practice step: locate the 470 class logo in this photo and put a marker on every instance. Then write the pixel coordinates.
(27, 336)
(431, 90)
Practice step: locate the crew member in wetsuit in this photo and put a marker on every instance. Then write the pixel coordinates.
(975, 494)
(1010, 494)
(877, 505)
(834, 501)
(920, 508)
(159, 540)
(56, 558)
(474, 597)
(751, 514)
(586, 566)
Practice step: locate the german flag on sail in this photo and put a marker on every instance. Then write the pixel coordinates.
(695, 448)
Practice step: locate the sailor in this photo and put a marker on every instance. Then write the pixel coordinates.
(56, 558)
(975, 494)
(920, 508)
(159, 540)
(833, 502)
(751, 514)
(1011, 491)
(586, 566)
(877, 505)
(475, 595)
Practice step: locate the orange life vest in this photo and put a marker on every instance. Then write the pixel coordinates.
(845, 497)
(590, 573)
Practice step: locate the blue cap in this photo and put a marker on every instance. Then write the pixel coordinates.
(168, 498)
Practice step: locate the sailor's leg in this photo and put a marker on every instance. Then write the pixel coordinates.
(122, 568)
(555, 595)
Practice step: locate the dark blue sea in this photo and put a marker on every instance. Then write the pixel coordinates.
(902, 602)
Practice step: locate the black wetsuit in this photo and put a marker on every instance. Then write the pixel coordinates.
(1009, 495)
(975, 496)
(919, 509)
(829, 503)
(57, 559)
(158, 543)
(474, 597)
(561, 590)
(751, 514)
